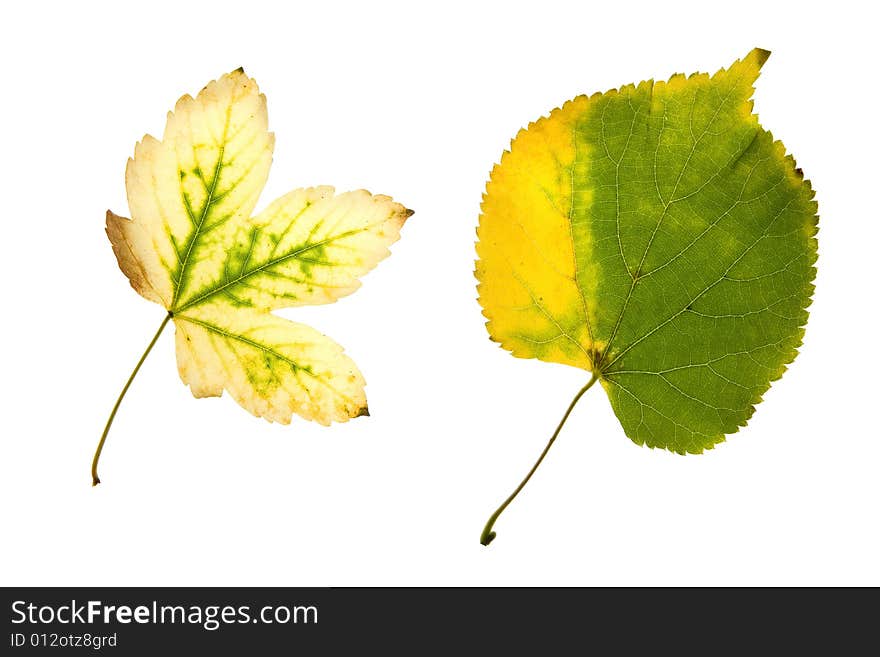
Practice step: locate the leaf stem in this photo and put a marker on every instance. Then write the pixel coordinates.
(488, 535)
(95, 479)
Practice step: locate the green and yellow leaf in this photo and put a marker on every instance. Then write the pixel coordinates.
(194, 246)
(658, 236)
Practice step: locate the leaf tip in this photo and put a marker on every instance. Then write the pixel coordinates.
(363, 412)
(759, 55)
(239, 70)
(408, 213)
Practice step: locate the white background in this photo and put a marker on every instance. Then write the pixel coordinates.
(416, 101)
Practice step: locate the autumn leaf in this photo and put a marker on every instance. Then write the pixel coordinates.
(193, 246)
(658, 237)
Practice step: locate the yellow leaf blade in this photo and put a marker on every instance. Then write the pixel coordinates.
(528, 276)
(189, 192)
(272, 367)
(308, 247)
